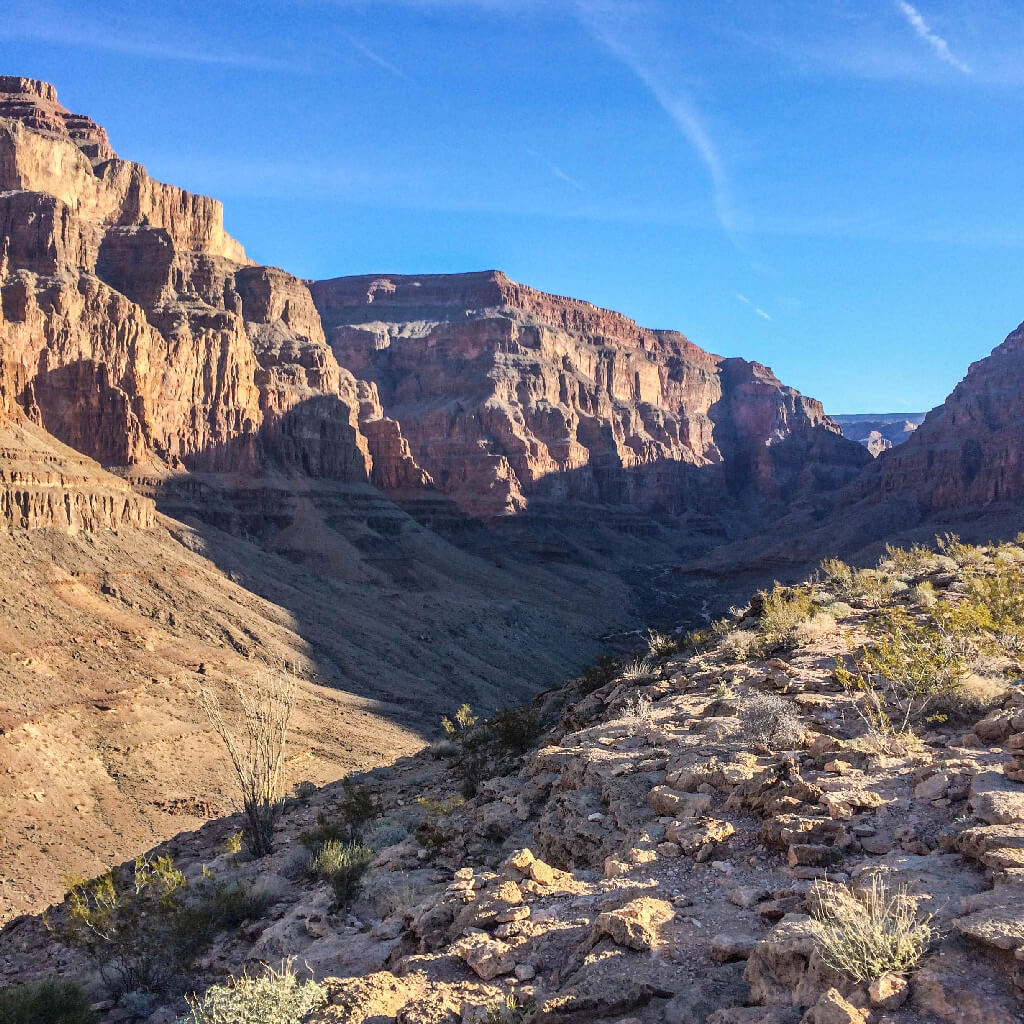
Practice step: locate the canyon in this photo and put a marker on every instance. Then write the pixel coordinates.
(404, 491)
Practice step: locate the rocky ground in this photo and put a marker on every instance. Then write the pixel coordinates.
(659, 853)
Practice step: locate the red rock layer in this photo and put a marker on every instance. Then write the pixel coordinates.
(507, 393)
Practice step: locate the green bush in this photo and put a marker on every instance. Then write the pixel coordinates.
(433, 832)
(130, 924)
(142, 927)
(53, 1001)
(661, 645)
(514, 730)
(278, 997)
(343, 866)
(908, 667)
(783, 609)
(356, 808)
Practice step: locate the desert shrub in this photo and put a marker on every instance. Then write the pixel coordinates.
(215, 906)
(874, 931)
(639, 670)
(599, 674)
(508, 1011)
(964, 555)
(343, 866)
(638, 713)
(382, 836)
(256, 749)
(357, 807)
(347, 820)
(839, 575)
(53, 1001)
(812, 630)
(304, 790)
(514, 730)
(142, 926)
(770, 720)
(837, 609)
(233, 843)
(737, 645)
(482, 745)
(904, 671)
(661, 645)
(461, 722)
(725, 689)
(277, 997)
(872, 587)
(910, 561)
(782, 610)
(129, 925)
(398, 897)
(434, 832)
(924, 596)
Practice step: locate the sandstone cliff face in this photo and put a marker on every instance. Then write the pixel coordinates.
(43, 483)
(507, 394)
(969, 451)
(145, 336)
(144, 333)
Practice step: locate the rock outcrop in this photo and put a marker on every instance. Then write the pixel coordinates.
(509, 395)
(969, 452)
(143, 332)
(879, 432)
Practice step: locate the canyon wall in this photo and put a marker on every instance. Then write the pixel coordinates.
(143, 333)
(969, 451)
(508, 394)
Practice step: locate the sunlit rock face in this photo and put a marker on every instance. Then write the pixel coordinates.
(508, 394)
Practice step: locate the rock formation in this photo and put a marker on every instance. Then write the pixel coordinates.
(508, 395)
(879, 432)
(968, 452)
(143, 332)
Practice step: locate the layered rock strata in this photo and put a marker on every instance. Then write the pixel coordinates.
(968, 452)
(142, 330)
(508, 394)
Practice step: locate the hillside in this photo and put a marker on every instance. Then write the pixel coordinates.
(669, 839)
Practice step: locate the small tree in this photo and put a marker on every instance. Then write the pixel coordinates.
(256, 749)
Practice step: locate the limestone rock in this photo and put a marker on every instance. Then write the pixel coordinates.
(634, 925)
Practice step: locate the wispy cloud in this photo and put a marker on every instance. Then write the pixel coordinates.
(376, 58)
(755, 309)
(924, 32)
(557, 171)
(611, 23)
(53, 24)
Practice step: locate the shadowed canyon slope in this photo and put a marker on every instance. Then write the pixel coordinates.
(405, 491)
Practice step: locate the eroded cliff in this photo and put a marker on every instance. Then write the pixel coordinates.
(508, 395)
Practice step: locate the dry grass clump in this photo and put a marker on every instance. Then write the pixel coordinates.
(638, 713)
(737, 645)
(277, 997)
(812, 630)
(639, 670)
(770, 721)
(872, 931)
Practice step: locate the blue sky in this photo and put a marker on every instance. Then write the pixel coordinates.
(831, 187)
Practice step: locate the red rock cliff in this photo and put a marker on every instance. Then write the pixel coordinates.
(507, 393)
